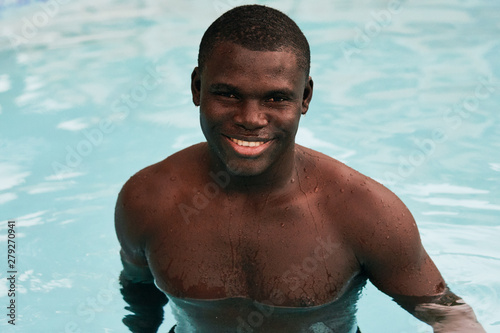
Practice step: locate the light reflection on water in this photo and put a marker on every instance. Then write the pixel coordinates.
(412, 103)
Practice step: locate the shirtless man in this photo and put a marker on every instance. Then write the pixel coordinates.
(251, 232)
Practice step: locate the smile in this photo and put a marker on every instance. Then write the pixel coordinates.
(248, 148)
(247, 143)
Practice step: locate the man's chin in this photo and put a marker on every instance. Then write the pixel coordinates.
(242, 169)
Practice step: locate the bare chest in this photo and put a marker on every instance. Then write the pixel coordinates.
(286, 257)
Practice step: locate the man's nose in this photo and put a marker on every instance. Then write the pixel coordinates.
(251, 115)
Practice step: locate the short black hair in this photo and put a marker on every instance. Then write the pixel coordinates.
(257, 28)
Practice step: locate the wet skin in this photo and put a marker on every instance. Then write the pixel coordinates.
(283, 225)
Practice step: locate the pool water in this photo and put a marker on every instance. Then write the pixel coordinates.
(407, 92)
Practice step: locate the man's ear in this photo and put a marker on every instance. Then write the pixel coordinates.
(308, 92)
(196, 86)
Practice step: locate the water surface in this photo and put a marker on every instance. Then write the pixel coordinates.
(407, 95)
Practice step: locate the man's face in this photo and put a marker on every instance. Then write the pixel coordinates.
(250, 106)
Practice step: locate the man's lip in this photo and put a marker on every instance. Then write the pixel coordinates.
(247, 138)
(248, 146)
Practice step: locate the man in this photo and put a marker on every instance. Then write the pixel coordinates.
(250, 232)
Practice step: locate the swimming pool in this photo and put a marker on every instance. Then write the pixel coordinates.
(90, 92)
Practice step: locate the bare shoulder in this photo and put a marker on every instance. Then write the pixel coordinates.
(150, 194)
(375, 221)
(157, 181)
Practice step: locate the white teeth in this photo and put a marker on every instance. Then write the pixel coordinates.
(247, 143)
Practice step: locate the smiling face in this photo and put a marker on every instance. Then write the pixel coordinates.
(250, 106)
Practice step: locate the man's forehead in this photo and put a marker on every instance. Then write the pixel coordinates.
(235, 57)
(230, 45)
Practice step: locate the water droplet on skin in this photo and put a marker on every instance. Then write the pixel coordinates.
(173, 178)
(341, 190)
(316, 189)
(292, 180)
(282, 225)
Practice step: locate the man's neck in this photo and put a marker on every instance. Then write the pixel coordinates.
(276, 178)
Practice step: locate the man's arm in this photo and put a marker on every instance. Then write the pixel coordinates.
(144, 299)
(392, 255)
(446, 312)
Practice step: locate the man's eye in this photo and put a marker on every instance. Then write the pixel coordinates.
(227, 95)
(276, 99)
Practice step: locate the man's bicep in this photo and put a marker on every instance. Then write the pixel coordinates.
(130, 235)
(395, 260)
(412, 275)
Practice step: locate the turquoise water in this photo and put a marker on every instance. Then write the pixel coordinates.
(406, 92)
